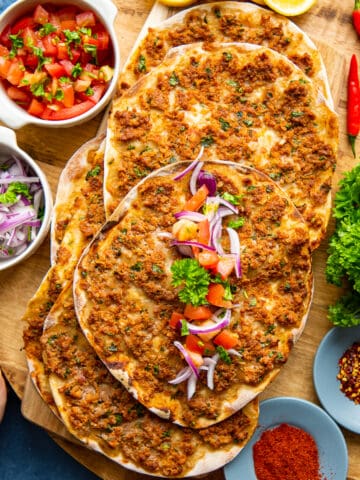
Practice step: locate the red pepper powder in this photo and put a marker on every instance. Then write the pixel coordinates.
(286, 453)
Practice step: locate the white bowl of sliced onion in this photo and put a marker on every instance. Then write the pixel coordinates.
(25, 202)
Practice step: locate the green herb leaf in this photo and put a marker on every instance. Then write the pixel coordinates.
(237, 222)
(93, 172)
(46, 29)
(194, 280)
(174, 80)
(223, 354)
(14, 189)
(142, 64)
(234, 199)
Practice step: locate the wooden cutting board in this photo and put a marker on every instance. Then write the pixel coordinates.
(329, 25)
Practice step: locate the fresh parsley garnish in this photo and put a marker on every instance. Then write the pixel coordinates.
(93, 172)
(193, 278)
(174, 80)
(16, 42)
(142, 64)
(223, 354)
(14, 189)
(237, 222)
(46, 29)
(234, 199)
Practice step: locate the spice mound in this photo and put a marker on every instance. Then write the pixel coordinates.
(349, 372)
(286, 452)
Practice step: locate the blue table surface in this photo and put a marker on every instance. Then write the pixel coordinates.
(27, 452)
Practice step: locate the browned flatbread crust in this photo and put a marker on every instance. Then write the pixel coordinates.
(100, 412)
(225, 22)
(124, 298)
(243, 103)
(84, 203)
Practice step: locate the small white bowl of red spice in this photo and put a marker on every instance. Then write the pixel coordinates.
(59, 61)
(25, 202)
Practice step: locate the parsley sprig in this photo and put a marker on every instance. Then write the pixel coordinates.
(343, 263)
(194, 280)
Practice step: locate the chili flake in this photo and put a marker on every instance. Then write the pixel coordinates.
(349, 372)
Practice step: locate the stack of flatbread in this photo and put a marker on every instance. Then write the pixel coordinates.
(244, 90)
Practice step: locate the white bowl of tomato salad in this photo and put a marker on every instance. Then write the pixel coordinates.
(59, 61)
(25, 202)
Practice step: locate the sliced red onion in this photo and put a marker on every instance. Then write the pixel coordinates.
(218, 325)
(191, 166)
(208, 179)
(235, 249)
(194, 178)
(228, 205)
(183, 375)
(188, 215)
(224, 212)
(216, 230)
(211, 363)
(192, 243)
(16, 220)
(191, 386)
(21, 179)
(187, 358)
(232, 351)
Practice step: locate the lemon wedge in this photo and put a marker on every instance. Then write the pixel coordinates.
(177, 3)
(290, 8)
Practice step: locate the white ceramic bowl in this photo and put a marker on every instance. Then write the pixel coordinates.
(16, 117)
(9, 147)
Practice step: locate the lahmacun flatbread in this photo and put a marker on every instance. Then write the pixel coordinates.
(124, 295)
(243, 103)
(99, 411)
(225, 22)
(84, 203)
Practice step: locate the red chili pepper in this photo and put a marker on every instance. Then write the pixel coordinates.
(356, 16)
(353, 107)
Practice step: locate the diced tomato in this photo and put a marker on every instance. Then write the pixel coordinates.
(5, 65)
(67, 13)
(36, 108)
(24, 22)
(216, 295)
(103, 39)
(98, 91)
(195, 344)
(69, 95)
(68, 66)
(85, 19)
(197, 313)
(31, 61)
(68, 24)
(50, 46)
(225, 266)
(74, 55)
(18, 95)
(197, 200)
(15, 73)
(4, 52)
(63, 53)
(71, 112)
(4, 37)
(30, 38)
(204, 232)
(55, 69)
(175, 318)
(226, 339)
(41, 15)
(208, 259)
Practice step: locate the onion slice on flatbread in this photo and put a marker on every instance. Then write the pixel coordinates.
(98, 410)
(124, 297)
